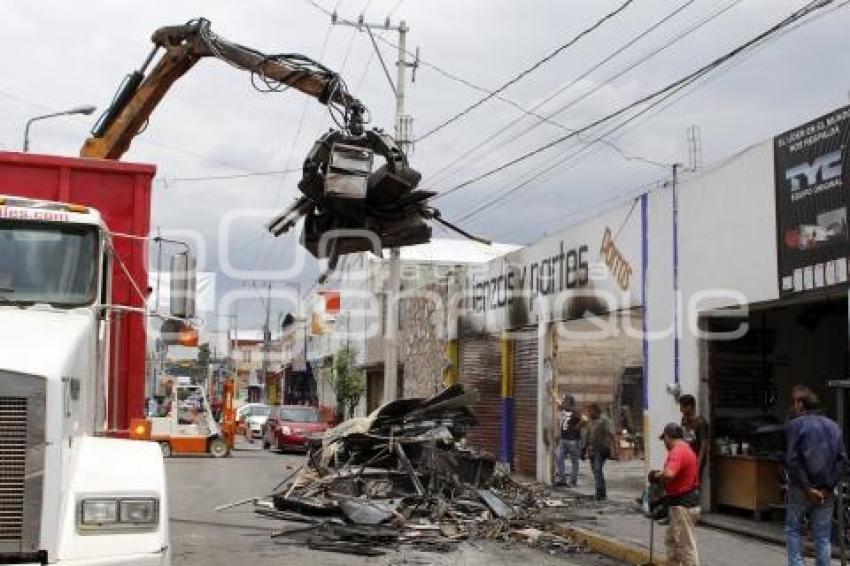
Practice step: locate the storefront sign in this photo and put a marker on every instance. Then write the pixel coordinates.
(812, 180)
(617, 264)
(579, 272)
(558, 271)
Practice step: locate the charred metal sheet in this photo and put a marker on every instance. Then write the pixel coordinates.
(496, 505)
(365, 512)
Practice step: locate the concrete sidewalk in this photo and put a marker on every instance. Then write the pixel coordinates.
(619, 529)
(716, 548)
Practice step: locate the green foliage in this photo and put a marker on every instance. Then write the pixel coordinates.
(348, 382)
(204, 354)
(202, 363)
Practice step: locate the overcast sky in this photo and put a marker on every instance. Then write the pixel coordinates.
(60, 54)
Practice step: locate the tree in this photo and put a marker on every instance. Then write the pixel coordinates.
(347, 381)
(202, 362)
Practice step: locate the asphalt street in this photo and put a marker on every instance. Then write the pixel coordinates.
(200, 536)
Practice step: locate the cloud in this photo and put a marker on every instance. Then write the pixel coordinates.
(212, 122)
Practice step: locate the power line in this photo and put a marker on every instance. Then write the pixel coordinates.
(592, 209)
(564, 107)
(296, 137)
(667, 90)
(615, 75)
(394, 8)
(596, 66)
(529, 70)
(436, 68)
(169, 180)
(658, 107)
(509, 193)
(140, 138)
(365, 70)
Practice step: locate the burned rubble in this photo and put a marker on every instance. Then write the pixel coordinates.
(404, 476)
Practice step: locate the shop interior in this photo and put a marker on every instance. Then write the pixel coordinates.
(749, 381)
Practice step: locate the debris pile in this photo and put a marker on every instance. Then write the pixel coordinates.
(404, 476)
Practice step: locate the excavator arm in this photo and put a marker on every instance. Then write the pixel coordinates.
(344, 203)
(185, 45)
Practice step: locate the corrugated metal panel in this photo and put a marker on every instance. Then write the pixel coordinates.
(480, 367)
(525, 403)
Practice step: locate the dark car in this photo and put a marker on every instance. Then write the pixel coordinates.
(289, 427)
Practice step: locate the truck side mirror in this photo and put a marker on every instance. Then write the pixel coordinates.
(183, 285)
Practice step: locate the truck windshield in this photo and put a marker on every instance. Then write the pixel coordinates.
(47, 263)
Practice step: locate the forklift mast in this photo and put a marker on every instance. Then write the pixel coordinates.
(228, 413)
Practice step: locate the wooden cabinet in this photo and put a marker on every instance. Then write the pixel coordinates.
(748, 483)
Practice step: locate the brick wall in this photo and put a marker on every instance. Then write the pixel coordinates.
(589, 366)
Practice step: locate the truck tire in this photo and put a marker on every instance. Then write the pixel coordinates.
(219, 448)
(166, 449)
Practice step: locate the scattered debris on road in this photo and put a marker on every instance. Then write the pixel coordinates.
(404, 476)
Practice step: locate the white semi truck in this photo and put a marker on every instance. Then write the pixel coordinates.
(69, 495)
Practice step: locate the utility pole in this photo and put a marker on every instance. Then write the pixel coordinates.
(391, 391)
(403, 138)
(267, 303)
(267, 337)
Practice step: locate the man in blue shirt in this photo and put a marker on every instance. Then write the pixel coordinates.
(569, 445)
(816, 460)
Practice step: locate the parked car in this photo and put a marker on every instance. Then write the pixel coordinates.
(290, 426)
(253, 417)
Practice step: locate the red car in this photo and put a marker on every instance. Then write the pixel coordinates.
(290, 426)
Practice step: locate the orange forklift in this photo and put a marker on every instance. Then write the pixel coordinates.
(188, 427)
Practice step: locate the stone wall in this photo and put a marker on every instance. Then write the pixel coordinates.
(422, 344)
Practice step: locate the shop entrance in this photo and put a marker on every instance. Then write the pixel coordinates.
(748, 383)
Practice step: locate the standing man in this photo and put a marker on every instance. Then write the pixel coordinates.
(601, 444)
(569, 445)
(816, 460)
(696, 430)
(680, 478)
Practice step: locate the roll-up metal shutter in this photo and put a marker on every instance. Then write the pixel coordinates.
(480, 368)
(525, 405)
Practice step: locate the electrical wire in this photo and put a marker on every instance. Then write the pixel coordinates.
(598, 87)
(295, 140)
(141, 139)
(531, 111)
(665, 91)
(566, 220)
(529, 70)
(365, 71)
(616, 75)
(394, 8)
(429, 65)
(169, 180)
(674, 97)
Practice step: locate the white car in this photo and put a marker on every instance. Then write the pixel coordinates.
(255, 416)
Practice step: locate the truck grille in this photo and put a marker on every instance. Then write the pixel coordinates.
(13, 454)
(23, 400)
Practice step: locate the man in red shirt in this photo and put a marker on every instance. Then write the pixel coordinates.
(680, 478)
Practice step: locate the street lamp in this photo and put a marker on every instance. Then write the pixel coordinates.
(87, 109)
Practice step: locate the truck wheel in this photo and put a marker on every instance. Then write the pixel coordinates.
(219, 448)
(166, 449)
